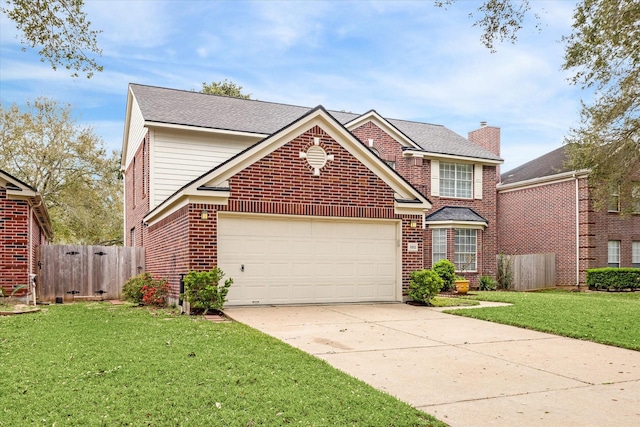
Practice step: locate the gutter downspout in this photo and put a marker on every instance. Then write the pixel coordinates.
(577, 234)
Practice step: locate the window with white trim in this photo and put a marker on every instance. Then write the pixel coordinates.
(614, 200)
(438, 244)
(635, 197)
(613, 258)
(635, 254)
(456, 180)
(466, 255)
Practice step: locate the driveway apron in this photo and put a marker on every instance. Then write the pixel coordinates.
(466, 372)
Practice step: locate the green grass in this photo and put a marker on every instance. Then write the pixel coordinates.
(96, 364)
(603, 317)
(452, 302)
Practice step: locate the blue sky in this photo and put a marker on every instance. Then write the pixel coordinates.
(407, 60)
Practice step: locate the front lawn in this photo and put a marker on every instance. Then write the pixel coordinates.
(98, 364)
(604, 317)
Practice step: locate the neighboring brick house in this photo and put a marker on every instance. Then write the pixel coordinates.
(24, 225)
(303, 205)
(545, 207)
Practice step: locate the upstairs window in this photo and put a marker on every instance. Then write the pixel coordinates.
(635, 197)
(613, 253)
(614, 200)
(456, 180)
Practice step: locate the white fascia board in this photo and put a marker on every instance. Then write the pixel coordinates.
(383, 124)
(457, 224)
(545, 180)
(338, 133)
(148, 123)
(410, 208)
(183, 199)
(125, 136)
(22, 194)
(438, 156)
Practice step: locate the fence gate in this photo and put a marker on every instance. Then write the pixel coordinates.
(80, 272)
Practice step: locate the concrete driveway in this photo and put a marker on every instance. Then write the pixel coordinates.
(466, 372)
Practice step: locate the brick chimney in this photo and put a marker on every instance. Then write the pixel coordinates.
(487, 137)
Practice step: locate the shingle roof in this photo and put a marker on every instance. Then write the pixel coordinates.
(548, 164)
(172, 106)
(455, 213)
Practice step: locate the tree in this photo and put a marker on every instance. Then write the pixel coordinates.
(224, 88)
(603, 52)
(60, 29)
(68, 165)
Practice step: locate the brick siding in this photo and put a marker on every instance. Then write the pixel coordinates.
(14, 243)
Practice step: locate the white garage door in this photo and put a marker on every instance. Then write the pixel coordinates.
(285, 260)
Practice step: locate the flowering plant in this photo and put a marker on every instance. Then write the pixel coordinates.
(146, 289)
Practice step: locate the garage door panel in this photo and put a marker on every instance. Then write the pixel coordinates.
(303, 260)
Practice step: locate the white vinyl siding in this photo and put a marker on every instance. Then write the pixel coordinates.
(635, 254)
(137, 131)
(179, 158)
(456, 180)
(465, 247)
(438, 244)
(613, 257)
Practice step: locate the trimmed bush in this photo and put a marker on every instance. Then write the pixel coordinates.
(144, 289)
(447, 272)
(613, 279)
(424, 285)
(203, 291)
(487, 283)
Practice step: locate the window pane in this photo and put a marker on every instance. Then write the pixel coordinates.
(465, 246)
(635, 254)
(614, 200)
(456, 180)
(614, 253)
(439, 244)
(635, 197)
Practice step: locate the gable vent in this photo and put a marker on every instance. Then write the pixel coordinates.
(317, 157)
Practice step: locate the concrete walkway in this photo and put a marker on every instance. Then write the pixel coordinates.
(466, 372)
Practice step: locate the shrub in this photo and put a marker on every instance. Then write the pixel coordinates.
(424, 285)
(616, 279)
(147, 290)
(487, 283)
(447, 272)
(505, 272)
(203, 291)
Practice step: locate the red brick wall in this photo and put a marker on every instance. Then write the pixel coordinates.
(487, 137)
(541, 220)
(14, 242)
(280, 183)
(418, 173)
(604, 226)
(137, 194)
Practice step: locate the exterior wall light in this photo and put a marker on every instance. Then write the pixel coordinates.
(204, 215)
(414, 224)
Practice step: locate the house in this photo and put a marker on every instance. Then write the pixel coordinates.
(303, 205)
(24, 225)
(550, 206)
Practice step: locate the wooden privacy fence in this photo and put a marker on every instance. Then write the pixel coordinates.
(532, 271)
(80, 272)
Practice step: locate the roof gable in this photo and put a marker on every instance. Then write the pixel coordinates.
(213, 186)
(20, 190)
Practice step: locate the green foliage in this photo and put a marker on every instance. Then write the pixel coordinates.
(447, 272)
(224, 88)
(145, 289)
(202, 289)
(94, 364)
(81, 185)
(487, 283)
(616, 279)
(505, 272)
(604, 53)
(424, 285)
(611, 318)
(60, 29)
